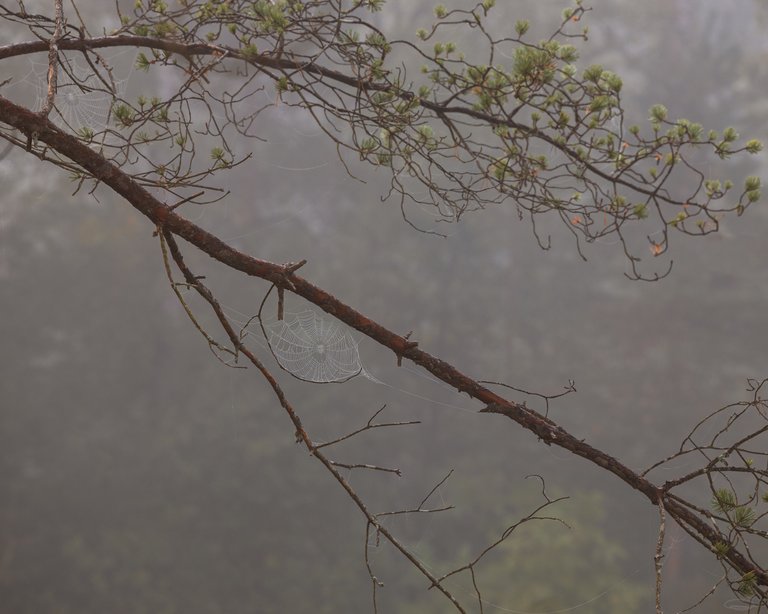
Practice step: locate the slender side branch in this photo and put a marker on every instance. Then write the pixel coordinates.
(368, 426)
(53, 59)
(548, 431)
(658, 557)
(301, 433)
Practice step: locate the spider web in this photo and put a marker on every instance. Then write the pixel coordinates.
(314, 349)
(82, 100)
(274, 333)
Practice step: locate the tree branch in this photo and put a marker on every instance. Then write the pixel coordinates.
(165, 218)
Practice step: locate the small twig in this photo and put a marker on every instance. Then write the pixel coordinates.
(186, 200)
(504, 536)
(375, 582)
(288, 269)
(477, 588)
(420, 510)
(292, 267)
(212, 343)
(705, 596)
(571, 387)
(543, 485)
(280, 303)
(438, 485)
(398, 472)
(301, 433)
(408, 345)
(53, 59)
(368, 426)
(83, 27)
(658, 557)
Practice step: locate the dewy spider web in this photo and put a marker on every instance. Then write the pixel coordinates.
(263, 339)
(314, 349)
(82, 98)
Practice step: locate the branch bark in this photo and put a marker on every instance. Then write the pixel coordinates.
(163, 216)
(53, 59)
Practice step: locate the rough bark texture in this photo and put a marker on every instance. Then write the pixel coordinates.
(34, 126)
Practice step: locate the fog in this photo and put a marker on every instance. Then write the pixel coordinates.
(140, 474)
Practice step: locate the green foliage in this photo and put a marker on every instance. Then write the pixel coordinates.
(612, 80)
(164, 29)
(533, 64)
(282, 84)
(601, 103)
(568, 53)
(721, 549)
(161, 114)
(368, 145)
(85, 133)
(752, 188)
(377, 40)
(686, 129)
(723, 500)
(142, 61)
(593, 73)
(577, 112)
(425, 131)
(249, 51)
(658, 113)
(730, 135)
(712, 187)
(747, 584)
(744, 516)
(123, 114)
(272, 16)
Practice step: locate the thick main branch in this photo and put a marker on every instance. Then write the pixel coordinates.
(162, 215)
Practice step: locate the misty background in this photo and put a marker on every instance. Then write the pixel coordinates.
(139, 474)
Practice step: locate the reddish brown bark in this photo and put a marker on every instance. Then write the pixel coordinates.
(284, 276)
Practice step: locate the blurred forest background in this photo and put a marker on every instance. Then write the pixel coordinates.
(138, 474)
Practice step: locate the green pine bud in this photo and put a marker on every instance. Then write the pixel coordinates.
(658, 113)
